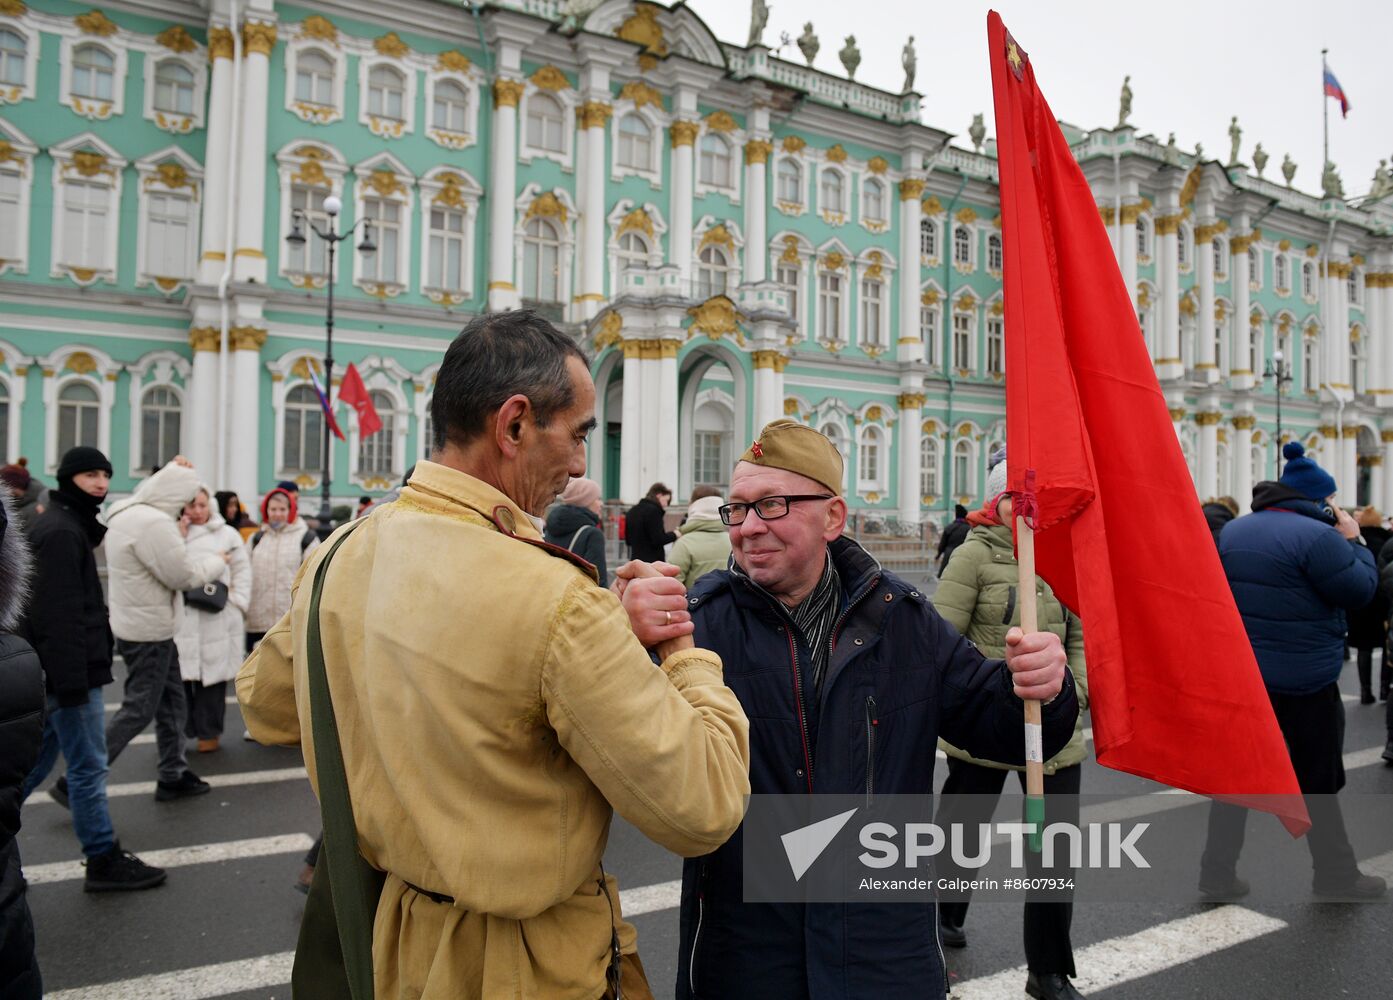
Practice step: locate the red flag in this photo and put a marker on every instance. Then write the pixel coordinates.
(355, 394)
(1174, 687)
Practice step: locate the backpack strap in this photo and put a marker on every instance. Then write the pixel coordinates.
(571, 545)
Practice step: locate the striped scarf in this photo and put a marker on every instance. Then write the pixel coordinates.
(814, 618)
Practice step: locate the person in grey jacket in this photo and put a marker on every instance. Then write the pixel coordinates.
(573, 523)
(148, 568)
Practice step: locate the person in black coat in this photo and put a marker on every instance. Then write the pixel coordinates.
(1217, 513)
(573, 523)
(1368, 626)
(953, 536)
(643, 525)
(67, 626)
(21, 731)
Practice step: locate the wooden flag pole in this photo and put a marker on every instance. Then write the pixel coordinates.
(1034, 738)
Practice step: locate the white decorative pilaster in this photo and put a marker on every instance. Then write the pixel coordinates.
(1385, 471)
(679, 243)
(503, 182)
(1207, 466)
(1208, 366)
(202, 398)
(1374, 333)
(650, 377)
(258, 39)
(1129, 247)
(1240, 363)
(1384, 291)
(1240, 454)
(910, 339)
(769, 387)
(217, 168)
(910, 428)
(665, 366)
(631, 434)
(1168, 362)
(1348, 478)
(244, 433)
(594, 115)
(756, 161)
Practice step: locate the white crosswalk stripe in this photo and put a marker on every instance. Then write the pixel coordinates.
(125, 788)
(179, 857)
(192, 984)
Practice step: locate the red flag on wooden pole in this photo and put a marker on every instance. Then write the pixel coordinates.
(1174, 687)
(355, 394)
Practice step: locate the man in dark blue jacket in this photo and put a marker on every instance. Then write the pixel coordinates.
(848, 677)
(1296, 565)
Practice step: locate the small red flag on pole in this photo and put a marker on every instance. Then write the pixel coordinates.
(1174, 687)
(355, 394)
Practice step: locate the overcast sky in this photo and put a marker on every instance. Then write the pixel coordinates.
(1193, 63)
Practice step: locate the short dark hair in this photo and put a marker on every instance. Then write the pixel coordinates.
(701, 492)
(496, 356)
(657, 490)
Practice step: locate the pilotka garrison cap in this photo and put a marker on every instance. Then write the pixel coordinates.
(786, 444)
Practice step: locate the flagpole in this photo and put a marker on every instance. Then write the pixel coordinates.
(1034, 736)
(1325, 110)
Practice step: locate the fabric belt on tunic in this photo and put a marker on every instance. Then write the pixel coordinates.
(438, 897)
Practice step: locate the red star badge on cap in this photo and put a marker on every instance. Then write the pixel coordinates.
(756, 450)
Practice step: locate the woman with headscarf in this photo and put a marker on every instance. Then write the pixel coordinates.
(573, 523)
(211, 631)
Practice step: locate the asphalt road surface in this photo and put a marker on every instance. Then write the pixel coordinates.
(225, 923)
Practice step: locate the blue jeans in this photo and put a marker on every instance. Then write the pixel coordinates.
(80, 733)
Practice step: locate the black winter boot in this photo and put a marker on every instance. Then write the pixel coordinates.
(120, 871)
(1385, 675)
(1365, 665)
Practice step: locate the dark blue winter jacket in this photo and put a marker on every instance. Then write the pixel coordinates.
(1293, 577)
(896, 668)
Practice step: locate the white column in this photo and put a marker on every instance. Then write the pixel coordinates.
(1377, 497)
(1241, 362)
(1241, 455)
(631, 434)
(680, 208)
(910, 341)
(1348, 480)
(1385, 472)
(244, 432)
(769, 387)
(1336, 330)
(1374, 334)
(1168, 363)
(503, 182)
(1385, 294)
(202, 399)
(216, 167)
(1129, 250)
(1208, 365)
(651, 378)
(665, 369)
(1207, 463)
(911, 433)
(756, 251)
(593, 117)
(258, 38)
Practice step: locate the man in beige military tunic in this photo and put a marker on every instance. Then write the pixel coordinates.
(494, 704)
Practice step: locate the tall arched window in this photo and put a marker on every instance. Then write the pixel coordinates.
(13, 53)
(635, 143)
(873, 201)
(1352, 287)
(962, 468)
(304, 431)
(873, 325)
(160, 419)
(310, 257)
(447, 247)
(869, 466)
(384, 263)
(376, 451)
(928, 466)
(387, 93)
(545, 124)
(1221, 257)
(94, 73)
(1281, 272)
(1308, 280)
(994, 252)
(829, 306)
(1309, 375)
(541, 262)
(928, 238)
(78, 413)
(715, 161)
(1182, 246)
(314, 78)
(790, 182)
(1255, 266)
(996, 346)
(837, 435)
(450, 108)
(832, 192)
(633, 251)
(1143, 238)
(962, 245)
(713, 272)
(173, 88)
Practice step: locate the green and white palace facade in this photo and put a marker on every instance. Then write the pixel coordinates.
(732, 237)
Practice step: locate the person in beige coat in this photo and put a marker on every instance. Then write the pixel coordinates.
(495, 705)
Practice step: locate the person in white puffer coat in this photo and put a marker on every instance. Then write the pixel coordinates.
(148, 569)
(210, 641)
(276, 550)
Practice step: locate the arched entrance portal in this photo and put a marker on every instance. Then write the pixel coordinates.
(713, 417)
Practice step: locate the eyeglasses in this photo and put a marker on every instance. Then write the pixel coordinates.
(768, 508)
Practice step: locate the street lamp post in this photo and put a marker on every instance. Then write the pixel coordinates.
(331, 237)
(1280, 370)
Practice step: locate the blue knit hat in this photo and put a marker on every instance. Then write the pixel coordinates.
(1304, 475)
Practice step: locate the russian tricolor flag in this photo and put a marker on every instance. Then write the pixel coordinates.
(1333, 89)
(324, 404)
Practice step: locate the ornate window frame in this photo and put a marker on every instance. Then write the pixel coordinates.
(629, 217)
(793, 209)
(557, 206)
(877, 265)
(381, 374)
(966, 304)
(382, 127)
(288, 371)
(553, 83)
(74, 160)
(657, 124)
(834, 413)
(793, 249)
(887, 202)
(179, 47)
(160, 367)
(457, 190)
(328, 45)
(23, 26)
(1223, 268)
(722, 124)
(17, 153)
(1255, 273)
(77, 363)
(966, 219)
(453, 67)
(384, 177)
(973, 456)
(930, 298)
(115, 43)
(834, 215)
(994, 324)
(168, 171)
(833, 257)
(1282, 288)
(1308, 271)
(930, 444)
(311, 164)
(1146, 238)
(1185, 245)
(725, 233)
